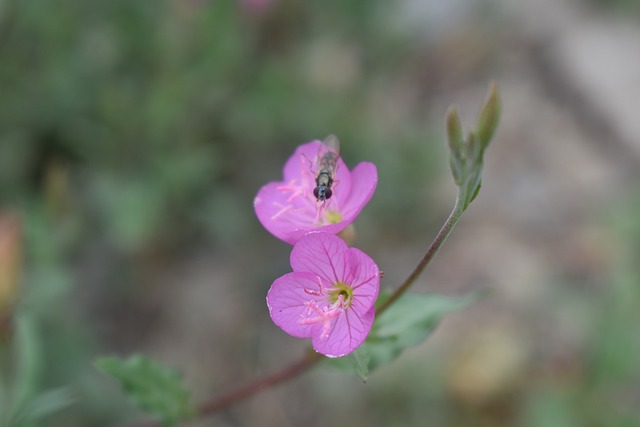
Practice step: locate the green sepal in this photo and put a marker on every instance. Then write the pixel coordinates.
(475, 193)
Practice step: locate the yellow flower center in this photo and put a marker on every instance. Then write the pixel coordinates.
(341, 292)
(333, 217)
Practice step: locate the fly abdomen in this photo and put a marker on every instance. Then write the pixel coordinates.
(323, 191)
(327, 162)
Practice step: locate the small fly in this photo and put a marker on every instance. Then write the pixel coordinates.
(326, 166)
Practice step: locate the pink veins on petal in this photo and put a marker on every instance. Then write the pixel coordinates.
(330, 295)
(288, 209)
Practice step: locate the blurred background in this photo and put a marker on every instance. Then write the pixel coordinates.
(134, 136)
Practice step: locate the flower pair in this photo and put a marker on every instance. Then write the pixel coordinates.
(330, 295)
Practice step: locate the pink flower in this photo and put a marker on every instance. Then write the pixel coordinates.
(330, 295)
(288, 209)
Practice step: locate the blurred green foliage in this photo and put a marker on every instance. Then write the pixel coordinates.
(153, 387)
(128, 128)
(407, 323)
(137, 116)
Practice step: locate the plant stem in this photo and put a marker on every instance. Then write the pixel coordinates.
(290, 371)
(311, 357)
(442, 235)
(244, 392)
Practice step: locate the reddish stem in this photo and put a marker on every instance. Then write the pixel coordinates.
(290, 371)
(243, 392)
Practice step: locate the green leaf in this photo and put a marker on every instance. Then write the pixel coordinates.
(415, 312)
(153, 387)
(21, 401)
(360, 360)
(356, 362)
(408, 322)
(45, 404)
(28, 361)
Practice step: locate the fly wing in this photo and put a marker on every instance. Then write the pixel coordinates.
(333, 144)
(328, 154)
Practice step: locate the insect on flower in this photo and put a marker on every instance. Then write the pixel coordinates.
(318, 192)
(327, 161)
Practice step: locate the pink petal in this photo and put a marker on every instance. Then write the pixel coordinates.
(290, 217)
(364, 277)
(302, 160)
(347, 333)
(270, 207)
(364, 179)
(292, 236)
(322, 254)
(286, 301)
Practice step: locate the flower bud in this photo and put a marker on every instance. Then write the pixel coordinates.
(488, 117)
(456, 145)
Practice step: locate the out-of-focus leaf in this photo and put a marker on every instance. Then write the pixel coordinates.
(359, 360)
(27, 362)
(356, 362)
(20, 403)
(153, 387)
(408, 322)
(44, 405)
(4, 402)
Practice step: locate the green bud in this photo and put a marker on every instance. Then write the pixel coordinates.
(467, 153)
(474, 150)
(456, 145)
(454, 130)
(488, 117)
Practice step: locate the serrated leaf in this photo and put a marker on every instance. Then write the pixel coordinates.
(151, 386)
